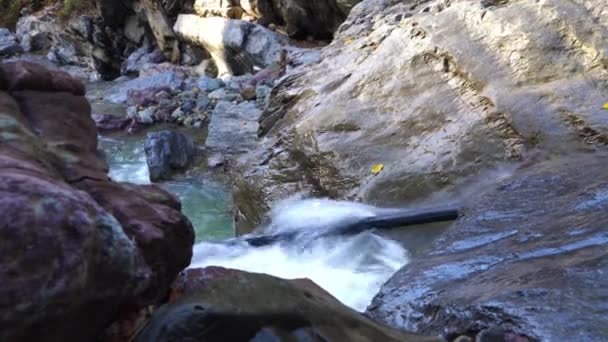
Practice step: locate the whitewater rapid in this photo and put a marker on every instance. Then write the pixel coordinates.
(352, 268)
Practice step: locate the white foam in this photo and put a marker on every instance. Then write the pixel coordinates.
(350, 268)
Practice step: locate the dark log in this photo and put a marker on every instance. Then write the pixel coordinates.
(384, 222)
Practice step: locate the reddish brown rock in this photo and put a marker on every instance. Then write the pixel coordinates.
(76, 249)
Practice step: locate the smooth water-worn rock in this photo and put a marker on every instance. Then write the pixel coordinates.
(233, 127)
(218, 304)
(529, 256)
(236, 46)
(76, 247)
(435, 92)
(167, 152)
(8, 43)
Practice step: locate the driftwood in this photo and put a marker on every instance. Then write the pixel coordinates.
(383, 222)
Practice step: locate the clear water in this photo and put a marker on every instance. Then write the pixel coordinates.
(351, 268)
(205, 202)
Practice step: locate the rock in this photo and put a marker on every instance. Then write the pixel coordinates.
(147, 96)
(262, 94)
(33, 33)
(202, 103)
(160, 81)
(177, 114)
(82, 248)
(236, 46)
(248, 93)
(188, 106)
(216, 160)
(192, 55)
(139, 60)
(114, 13)
(146, 116)
(209, 84)
(428, 107)
(233, 127)
(159, 24)
(207, 304)
(8, 43)
(514, 261)
(315, 18)
(167, 152)
(134, 29)
(107, 123)
(224, 95)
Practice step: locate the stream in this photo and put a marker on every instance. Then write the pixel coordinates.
(351, 268)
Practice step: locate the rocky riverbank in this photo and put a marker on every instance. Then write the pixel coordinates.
(492, 106)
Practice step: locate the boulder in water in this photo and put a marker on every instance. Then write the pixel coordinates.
(167, 152)
(218, 304)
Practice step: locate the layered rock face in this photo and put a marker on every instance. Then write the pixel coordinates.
(217, 304)
(76, 247)
(528, 256)
(435, 92)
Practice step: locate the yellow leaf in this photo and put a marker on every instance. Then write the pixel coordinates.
(348, 41)
(376, 169)
(605, 106)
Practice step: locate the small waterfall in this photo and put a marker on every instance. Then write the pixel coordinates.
(352, 268)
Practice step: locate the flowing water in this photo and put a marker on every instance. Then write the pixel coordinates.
(351, 268)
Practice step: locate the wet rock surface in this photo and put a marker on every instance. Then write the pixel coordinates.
(76, 247)
(167, 152)
(218, 304)
(428, 106)
(528, 256)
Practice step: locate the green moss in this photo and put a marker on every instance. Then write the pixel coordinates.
(76, 7)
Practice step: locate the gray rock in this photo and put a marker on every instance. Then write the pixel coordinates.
(167, 152)
(262, 93)
(188, 106)
(236, 46)
(191, 55)
(223, 94)
(118, 93)
(233, 128)
(529, 256)
(146, 116)
(33, 33)
(8, 44)
(202, 102)
(209, 84)
(134, 29)
(178, 113)
(137, 60)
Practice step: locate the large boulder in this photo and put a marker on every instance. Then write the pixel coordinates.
(167, 152)
(435, 93)
(236, 46)
(76, 247)
(217, 304)
(529, 256)
(318, 19)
